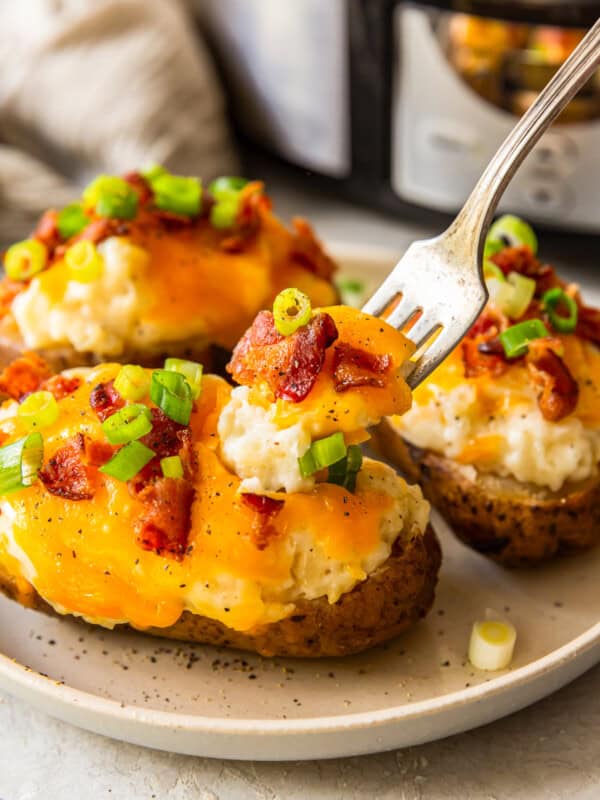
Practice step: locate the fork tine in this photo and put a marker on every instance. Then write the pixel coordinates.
(432, 356)
(381, 299)
(402, 314)
(422, 330)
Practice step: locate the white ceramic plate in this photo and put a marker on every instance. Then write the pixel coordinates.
(212, 702)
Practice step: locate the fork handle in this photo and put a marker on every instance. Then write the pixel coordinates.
(477, 213)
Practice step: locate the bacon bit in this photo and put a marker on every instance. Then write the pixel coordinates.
(61, 386)
(171, 219)
(47, 230)
(98, 230)
(105, 400)
(289, 364)
(308, 251)
(166, 524)
(266, 509)
(66, 475)
(24, 375)
(140, 184)
(97, 453)
(353, 367)
(166, 436)
(479, 351)
(588, 324)
(9, 289)
(559, 391)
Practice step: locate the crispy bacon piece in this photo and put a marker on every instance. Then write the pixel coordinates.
(480, 354)
(353, 367)
(97, 453)
(522, 260)
(66, 474)
(61, 386)
(308, 251)
(105, 400)
(558, 389)
(588, 324)
(266, 509)
(24, 375)
(98, 230)
(289, 364)
(140, 184)
(167, 438)
(166, 523)
(47, 230)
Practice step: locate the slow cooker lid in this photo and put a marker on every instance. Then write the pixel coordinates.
(570, 13)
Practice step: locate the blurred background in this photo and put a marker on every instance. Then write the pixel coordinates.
(374, 118)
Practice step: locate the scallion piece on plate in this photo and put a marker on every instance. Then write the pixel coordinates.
(522, 295)
(191, 371)
(128, 461)
(25, 259)
(20, 462)
(513, 231)
(72, 220)
(553, 301)
(178, 194)
(132, 382)
(128, 424)
(172, 394)
(171, 467)
(38, 410)
(84, 262)
(322, 453)
(111, 196)
(516, 339)
(291, 310)
(344, 472)
(492, 644)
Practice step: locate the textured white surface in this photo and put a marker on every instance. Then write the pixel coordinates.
(550, 751)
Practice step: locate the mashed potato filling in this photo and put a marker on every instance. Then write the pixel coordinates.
(501, 431)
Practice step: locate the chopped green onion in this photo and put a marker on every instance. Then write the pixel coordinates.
(491, 270)
(132, 382)
(352, 292)
(191, 371)
(128, 424)
(515, 339)
(291, 310)
(20, 462)
(344, 472)
(226, 186)
(171, 467)
(491, 247)
(492, 644)
(500, 292)
(38, 410)
(25, 259)
(111, 196)
(128, 461)
(84, 262)
(172, 394)
(223, 214)
(178, 194)
(522, 295)
(322, 453)
(153, 171)
(552, 301)
(72, 220)
(513, 232)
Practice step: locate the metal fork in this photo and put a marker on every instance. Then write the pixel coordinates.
(440, 280)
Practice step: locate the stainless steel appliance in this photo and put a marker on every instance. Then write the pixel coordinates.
(403, 103)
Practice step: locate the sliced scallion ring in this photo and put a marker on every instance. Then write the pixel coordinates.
(84, 262)
(322, 453)
(191, 371)
(171, 467)
(172, 394)
(153, 171)
(223, 214)
(25, 259)
(178, 194)
(20, 463)
(555, 299)
(491, 247)
(128, 424)
(513, 231)
(128, 461)
(516, 339)
(38, 410)
(111, 196)
(492, 644)
(344, 472)
(226, 185)
(291, 310)
(132, 382)
(72, 220)
(522, 295)
(491, 270)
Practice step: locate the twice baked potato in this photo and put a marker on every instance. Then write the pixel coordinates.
(504, 436)
(175, 504)
(151, 265)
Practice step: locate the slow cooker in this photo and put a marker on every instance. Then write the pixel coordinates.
(402, 104)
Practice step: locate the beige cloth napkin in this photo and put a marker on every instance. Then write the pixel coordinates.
(89, 86)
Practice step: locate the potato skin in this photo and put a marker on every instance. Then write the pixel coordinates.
(389, 601)
(512, 523)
